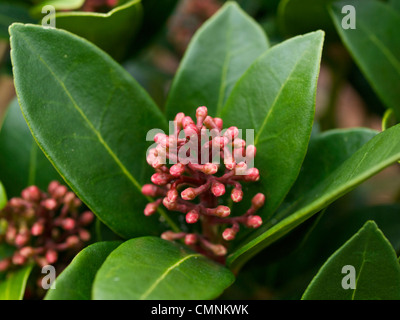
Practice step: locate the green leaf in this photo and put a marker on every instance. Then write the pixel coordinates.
(377, 154)
(13, 288)
(377, 270)
(58, 5)
(110, 31)
(3, 196)
(22, 163)
(155, 269)
(10, 13)
(395, 4)
(375, 46)
(303, 16)
(276, 98)
(75, 282)
(91, 119)
(218, 54)
(326, 152)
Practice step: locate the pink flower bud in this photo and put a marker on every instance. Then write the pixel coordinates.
(150, 209)
(241, 169)
(237, 195)
(51, 256)
(86, 218)
(229, 234)
(201, 112)
(188, 194)
(219, 123)
(60, 192)
(252, 175)
(190, 239)
(21, 239)
(231, 133)
(218, 189)
(72, 241)
(172, 195)
(53, 186)
(37, 229)
(170, 235)
(220, 142)
(210, 168)
(68, 224)
(160, 179)
(4, 264)
(220, 211)
(258, 200)
(149, 190)
(230, 163)
(177, 170)
(191, 130)
(159, 137)
(239, 143)
(49, 204)
(218, 250)
(178, 120)
(187, 121)
(209, 123)
(170, 205)
(84, 235)
(18, 259)
(251, 151)
(253, 221)
(31, 193)
(69, 197)
(27, 252)
(192, 216)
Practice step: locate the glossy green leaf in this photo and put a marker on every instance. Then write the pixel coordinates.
(218, 54)
(3, 196)
(375, 46)
(154, 269)
(302, 16)
(91, 119)
(377, 271)
(326, 152)
(13, 288)
(58, 5)
(395, 4)
(10, 13)
(75, 282)
(276, 98)
(377, 154)
(22, 163)
(110, 31)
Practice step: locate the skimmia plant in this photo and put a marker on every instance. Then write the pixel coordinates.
(187, 234)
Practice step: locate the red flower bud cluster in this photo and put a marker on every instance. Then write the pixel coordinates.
(40, 225)
(99, 5)
(195, 189)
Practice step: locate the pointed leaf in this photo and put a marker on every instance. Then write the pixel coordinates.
(13, 288)
(110, 31)
(219, 53)
(3, 196)
(377, 271)
(276, 98)
(375, 46)
(75, 282)
(155, 269)
(91, 119)
(22, 163)
(374, 156)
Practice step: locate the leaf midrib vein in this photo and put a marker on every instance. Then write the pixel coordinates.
(164, 275)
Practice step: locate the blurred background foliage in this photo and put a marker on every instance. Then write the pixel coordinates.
(149, 38)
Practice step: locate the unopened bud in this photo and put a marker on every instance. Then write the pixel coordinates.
(149, 190)
(210, 168)
(178, 119)
(84, 235)
(68, 224)
(188, 194)
(241, 169)
(231, 133)
(177, 170)
(237, 195)
(254, 221)
(251, 151)
(252, 175)
(192, 216)
(190, 239)
(4, 264)
(21, 239)
(37, 228)
(49, 204)
(51, 256)
(219, 123)
(191, 130)
(186, 121)
(170, 205)
(150, 209)
(86, 218)
(160, 179)
(31, 193)
(53, 186)
(201, 112)
(172, 195)
(27, 252)
(170, 235)
(229, 234)
(72, 241)
(60, 192)
(218, 189)
(258, 200)
(18, 259)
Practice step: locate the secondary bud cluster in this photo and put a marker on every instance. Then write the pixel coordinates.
(195, 189)
(40, 225)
